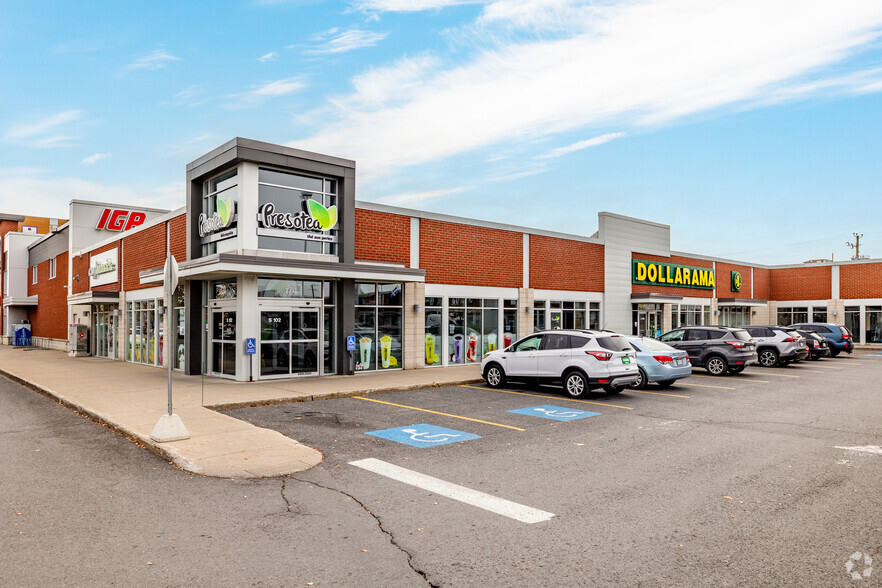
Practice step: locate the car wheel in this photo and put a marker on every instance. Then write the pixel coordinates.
(736, 370)
(768, 358)
(814, 357)
(575, 384)
(665, 383)
(834, 352)
(716, 365)
(612, 389)
(495, 376)
(640, 384)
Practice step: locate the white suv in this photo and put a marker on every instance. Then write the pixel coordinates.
(580, 360)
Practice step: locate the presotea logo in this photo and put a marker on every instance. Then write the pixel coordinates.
(221, 219)
(315, 218)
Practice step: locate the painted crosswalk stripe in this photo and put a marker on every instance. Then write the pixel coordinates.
(494, 504)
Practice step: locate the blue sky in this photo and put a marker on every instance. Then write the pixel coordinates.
(752, 128)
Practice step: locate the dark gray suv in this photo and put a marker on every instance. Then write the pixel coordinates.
(716, 349)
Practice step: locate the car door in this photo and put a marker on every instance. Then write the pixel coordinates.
(554, 355)
(522, 360)
(694, 344)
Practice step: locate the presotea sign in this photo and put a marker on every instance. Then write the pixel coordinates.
(657, 273)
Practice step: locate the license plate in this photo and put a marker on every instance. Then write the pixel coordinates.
(681, 361)
(626, 360)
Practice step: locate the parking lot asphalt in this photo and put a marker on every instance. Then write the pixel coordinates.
(767, 477)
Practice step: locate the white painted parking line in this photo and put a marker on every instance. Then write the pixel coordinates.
(501, 506)
(864, 449)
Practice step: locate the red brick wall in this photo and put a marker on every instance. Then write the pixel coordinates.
(801, 283)
(762, 284)
(380, 236)
(467, 255)
(178, 237)
(860, 280)
(676, 259)
(80, 267)
(49, 317)
(143, 250)
(724, 280)
(562, 264)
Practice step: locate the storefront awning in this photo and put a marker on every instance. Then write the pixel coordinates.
(225, 265)
(25, 301)
(741, 302)
(94, 298)
(652, 298)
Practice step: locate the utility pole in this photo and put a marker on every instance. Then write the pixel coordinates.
(856, 245)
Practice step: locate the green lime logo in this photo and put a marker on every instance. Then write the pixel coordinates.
(225, 209)
(325, 217)
(736, 281)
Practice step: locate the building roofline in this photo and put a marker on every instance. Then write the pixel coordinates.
(270, 148)
(119, 236)
(377, 207)
(117, 205)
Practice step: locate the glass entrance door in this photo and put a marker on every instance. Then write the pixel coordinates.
(223, 342)
(290, 340)
(648, 323)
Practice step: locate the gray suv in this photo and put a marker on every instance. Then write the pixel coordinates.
(777, 345)
(716, 349)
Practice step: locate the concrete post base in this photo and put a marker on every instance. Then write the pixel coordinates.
(169, 428)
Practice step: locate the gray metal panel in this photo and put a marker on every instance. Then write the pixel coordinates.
(48, 248)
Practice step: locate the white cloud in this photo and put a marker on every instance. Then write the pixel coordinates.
(409, 5)
(190, 96)
(35, 194)
(271, 56)
(636, 64)
(581, 145)
(43, 133)
(333, 41)
(154, 60)
(96, 157)
(418, 196)
(278, 88)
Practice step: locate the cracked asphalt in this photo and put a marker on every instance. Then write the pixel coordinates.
(724, 482)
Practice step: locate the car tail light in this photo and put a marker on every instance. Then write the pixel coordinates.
(665, 359)
(816, 344)
(846, 336)
(736, 344)
(603, 381)
(600, 355)
(789, 340)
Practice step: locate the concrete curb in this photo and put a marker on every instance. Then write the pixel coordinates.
(332, 395)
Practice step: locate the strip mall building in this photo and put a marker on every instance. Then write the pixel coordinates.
(283, 273)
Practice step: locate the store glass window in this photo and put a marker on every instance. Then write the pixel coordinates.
(819, 314)
(791, 315)
(225, 188)
(179, 325)
(734, 316)
(378, 326)
(874, 324)
(284, 288)
(434, 333)
(594, 316)
(509, 323)
(145, 332)
(456, 343)
(289, 194)
(689, 315)
(223, 289)
(853, 321)
(223, 342)
(539, 315)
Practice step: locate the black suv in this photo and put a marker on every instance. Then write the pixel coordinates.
(716, 349)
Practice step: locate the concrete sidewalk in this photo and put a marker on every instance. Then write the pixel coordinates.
(130, 398)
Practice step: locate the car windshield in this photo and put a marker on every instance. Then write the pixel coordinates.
(614, 343)
(741, 334)
(655, 345)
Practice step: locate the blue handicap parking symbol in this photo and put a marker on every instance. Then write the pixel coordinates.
(555, 413)
(251, 345)
(424, 435)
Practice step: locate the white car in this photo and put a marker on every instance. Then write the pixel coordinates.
(579, 359)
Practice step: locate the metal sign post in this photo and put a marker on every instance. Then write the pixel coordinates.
(170, 427)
